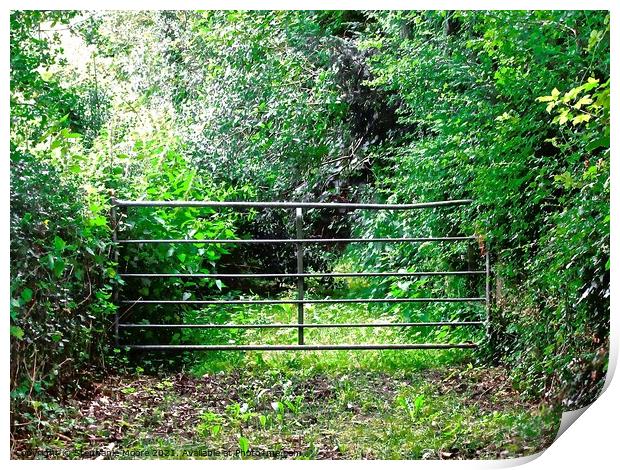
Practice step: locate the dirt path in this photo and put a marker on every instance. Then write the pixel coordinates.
(459, 412)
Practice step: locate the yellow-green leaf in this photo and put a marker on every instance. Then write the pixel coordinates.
(584, 100)
(581, 118)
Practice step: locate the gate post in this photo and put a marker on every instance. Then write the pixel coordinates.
(300, 270)
(491, 334)
(114, 222)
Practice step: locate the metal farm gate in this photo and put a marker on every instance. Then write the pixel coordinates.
(300, 276)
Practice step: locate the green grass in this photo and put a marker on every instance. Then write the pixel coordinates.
(328, 360)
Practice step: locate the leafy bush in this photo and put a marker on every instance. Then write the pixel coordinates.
(61, 275)
(470, 126)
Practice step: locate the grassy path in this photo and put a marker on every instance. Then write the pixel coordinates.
(278, 408)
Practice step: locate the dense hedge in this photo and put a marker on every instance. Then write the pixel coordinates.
(60, 269)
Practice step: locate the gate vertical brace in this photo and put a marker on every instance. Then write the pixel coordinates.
(114, 215)
(300, 270)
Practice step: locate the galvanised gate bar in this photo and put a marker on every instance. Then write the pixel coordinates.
(300, 276)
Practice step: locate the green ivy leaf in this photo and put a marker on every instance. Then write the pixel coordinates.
(59, 243)
(59, 267)
(17, 332)
(26, 295)
(596, 143)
